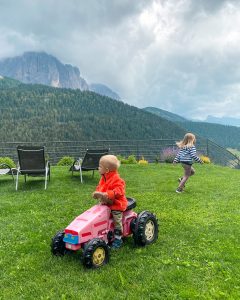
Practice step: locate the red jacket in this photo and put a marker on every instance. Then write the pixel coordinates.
(114, 186)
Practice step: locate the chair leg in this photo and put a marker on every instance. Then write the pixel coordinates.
(17, 181)
(81, 174)
(46, 176)
(92, 173)
(25, 178)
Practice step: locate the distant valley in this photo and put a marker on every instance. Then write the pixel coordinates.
(223, 120)
(224, 135)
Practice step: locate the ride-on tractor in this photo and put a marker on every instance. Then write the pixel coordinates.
(93, 231)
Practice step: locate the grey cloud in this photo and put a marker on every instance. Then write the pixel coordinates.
(209, 6)
(37, 15)
(179, 55)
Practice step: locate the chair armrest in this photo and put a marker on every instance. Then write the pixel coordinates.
(78, 162)
(14, 171)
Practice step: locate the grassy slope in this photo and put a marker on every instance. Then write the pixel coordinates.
(196, 255)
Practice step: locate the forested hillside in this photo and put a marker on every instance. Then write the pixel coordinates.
(165, 114)
(224, 135)
(42, 113)
(8, 83)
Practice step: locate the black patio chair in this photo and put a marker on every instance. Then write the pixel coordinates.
(90, 161)
(32, 162)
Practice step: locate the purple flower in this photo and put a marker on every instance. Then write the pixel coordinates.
(168, 154)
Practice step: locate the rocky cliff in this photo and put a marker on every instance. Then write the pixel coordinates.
(42, 68)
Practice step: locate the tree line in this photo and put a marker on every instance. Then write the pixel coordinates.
(42, 113)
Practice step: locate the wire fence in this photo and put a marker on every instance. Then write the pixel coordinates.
(150, 150)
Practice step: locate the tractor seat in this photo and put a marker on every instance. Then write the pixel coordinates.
(131, 203)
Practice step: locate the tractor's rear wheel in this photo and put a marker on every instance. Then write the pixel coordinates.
(145, 229)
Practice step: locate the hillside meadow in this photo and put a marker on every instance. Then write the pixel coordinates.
(195, 257)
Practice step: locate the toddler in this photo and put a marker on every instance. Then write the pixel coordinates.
(111, 191)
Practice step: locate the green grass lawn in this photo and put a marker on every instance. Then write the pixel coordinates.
(197, 254)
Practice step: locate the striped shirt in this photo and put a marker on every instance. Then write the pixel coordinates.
(187, 155)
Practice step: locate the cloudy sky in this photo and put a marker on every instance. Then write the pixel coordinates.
(179, 55)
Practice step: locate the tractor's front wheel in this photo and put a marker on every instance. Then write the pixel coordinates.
(58, 245)
(145, 229)
(96, 253)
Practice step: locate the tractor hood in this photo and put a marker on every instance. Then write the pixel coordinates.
(90, 223)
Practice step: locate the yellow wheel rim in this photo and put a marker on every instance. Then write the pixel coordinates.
(149, 230)
(99, 256)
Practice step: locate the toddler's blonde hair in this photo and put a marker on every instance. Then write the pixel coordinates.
(110, 162)
(188, 140)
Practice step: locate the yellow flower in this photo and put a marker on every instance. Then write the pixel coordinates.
(205, 159)
(142, 161)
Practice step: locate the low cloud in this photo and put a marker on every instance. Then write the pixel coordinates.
(178, 55)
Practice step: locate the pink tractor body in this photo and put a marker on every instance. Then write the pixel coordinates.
(93, 231)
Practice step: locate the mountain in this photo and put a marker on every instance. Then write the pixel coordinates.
(165, 114)
(42, 113)
(223, 120)
(42, 68)
(103, 90)
(223, 135)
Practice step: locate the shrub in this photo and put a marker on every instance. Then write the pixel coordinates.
(168, 155)
(66, 161)
(130, 160)
(205, 159)
(142, 161)
(122, 159)
(8, 161)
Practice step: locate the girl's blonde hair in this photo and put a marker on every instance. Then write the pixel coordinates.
(188, 140)
(110, 162)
